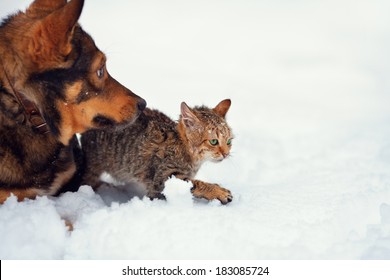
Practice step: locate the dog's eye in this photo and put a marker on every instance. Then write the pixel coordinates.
(100, 72)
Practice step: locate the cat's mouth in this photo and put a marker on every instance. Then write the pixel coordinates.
(221, 157)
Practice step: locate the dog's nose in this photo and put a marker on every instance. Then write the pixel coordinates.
(141, 105)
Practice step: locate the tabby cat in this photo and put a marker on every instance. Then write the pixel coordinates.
(155, 148)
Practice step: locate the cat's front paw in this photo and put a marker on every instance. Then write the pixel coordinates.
(211, 191)
(224, 195)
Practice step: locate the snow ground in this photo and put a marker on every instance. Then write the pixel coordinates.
(310, 170)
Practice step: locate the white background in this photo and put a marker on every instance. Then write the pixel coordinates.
(310, 166)
(278, 270)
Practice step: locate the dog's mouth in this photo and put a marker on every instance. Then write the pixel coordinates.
(105, 122)
(101, 121)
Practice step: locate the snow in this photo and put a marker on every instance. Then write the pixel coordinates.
(310, 164)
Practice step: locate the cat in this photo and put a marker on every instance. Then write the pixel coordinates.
(155, 148)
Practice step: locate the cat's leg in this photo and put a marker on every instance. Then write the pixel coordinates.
(154, 189)
(92, 178)
(209, 191)
(156, 195)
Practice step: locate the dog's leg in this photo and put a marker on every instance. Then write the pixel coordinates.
(68, 224)
(20, 194)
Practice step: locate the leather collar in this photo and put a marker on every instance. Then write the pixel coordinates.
(31, 110)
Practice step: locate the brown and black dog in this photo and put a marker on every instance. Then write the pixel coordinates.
(53, 84)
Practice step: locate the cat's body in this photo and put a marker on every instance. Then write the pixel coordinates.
(155, 148)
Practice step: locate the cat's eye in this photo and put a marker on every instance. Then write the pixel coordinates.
(229, 142)
(213, 142)
(100, 72)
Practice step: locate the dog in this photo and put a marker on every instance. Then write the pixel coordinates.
(53, 85)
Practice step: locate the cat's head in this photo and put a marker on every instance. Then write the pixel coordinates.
(206, 130)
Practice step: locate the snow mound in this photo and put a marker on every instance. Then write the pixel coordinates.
(178, 192)
(378, 237)
(71, 205)
(31, 229)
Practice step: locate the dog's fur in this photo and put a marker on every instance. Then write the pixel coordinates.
(47, 57)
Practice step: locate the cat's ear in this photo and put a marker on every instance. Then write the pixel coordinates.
(189, 119)
(223, 107)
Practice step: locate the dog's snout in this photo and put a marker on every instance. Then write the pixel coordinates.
(141, 105)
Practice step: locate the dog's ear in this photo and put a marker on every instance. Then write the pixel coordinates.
(52, 35)
(44, 7)
(223, 107)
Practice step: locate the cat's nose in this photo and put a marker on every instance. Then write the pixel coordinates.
(225, 155)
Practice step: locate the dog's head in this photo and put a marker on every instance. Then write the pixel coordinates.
(57, 65)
